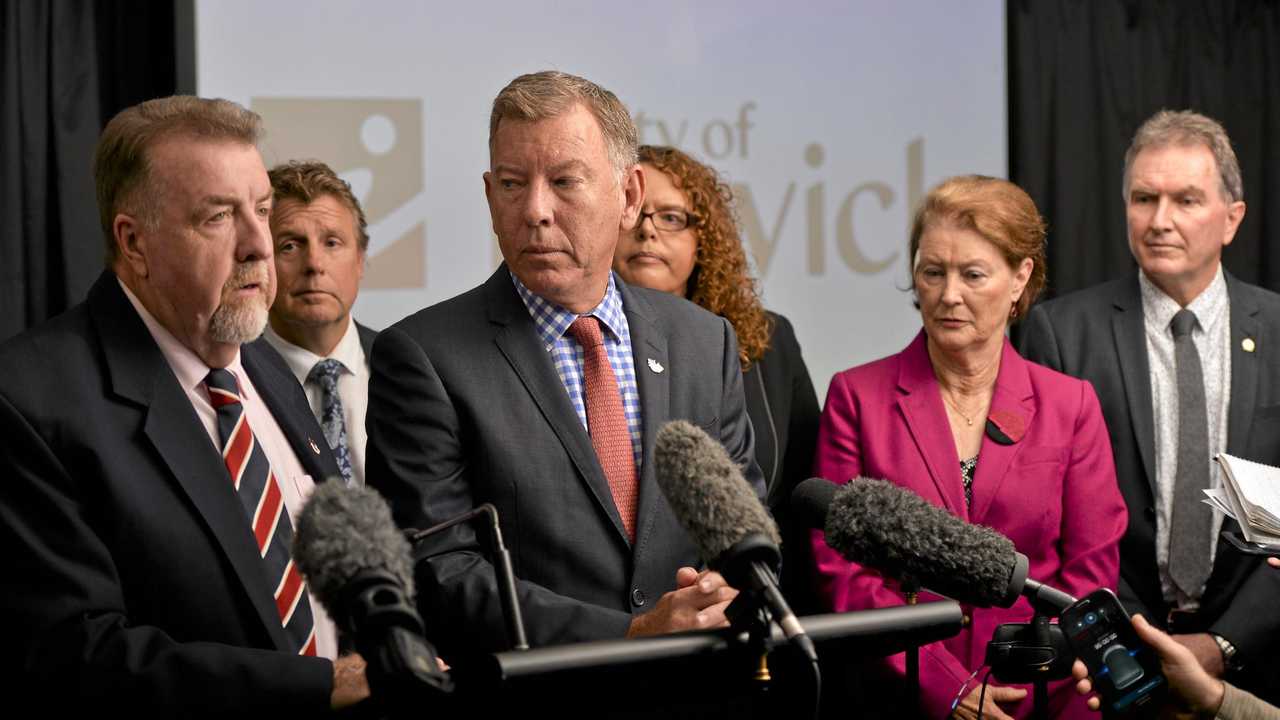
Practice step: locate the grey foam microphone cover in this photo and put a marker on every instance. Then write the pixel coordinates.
(899, 533)
(342, 531)
(706, 490)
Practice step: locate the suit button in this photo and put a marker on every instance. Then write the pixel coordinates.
(1149, 513)
(637, 597)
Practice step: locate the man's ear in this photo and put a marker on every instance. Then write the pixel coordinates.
(633, 196)
(131, 243)
(1235, 215)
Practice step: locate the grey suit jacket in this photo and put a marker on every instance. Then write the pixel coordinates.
(465, 407)
(1098, 334)
(139, 586)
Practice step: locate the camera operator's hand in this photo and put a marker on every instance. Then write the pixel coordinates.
(1193, 691)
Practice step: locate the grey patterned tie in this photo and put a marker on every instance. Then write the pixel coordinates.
(1189, 563)
(332, 419)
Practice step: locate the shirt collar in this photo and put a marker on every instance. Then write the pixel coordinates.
(552, 321)
(1158, 308)
(300, 360)
(189, 369)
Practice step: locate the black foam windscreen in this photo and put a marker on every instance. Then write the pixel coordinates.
(343, 531)
(706, 490)
(897, 532)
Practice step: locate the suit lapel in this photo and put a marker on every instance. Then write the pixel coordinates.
(1245, 365)
(1129, 331)
(921, 404)
(280, 392)
(517, 339)
(367, 336)
(1012, 411)
(140, 374)
(648, 343)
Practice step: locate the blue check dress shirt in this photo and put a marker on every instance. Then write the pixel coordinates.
(552, 323)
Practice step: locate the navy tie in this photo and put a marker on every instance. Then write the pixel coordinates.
(263, 504)
(332, 418)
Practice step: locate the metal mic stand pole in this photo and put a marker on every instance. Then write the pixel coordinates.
(911, 589)
(501, 568)
(1040, 688)
(748, 613)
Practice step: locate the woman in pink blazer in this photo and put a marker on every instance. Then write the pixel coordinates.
(962, 420)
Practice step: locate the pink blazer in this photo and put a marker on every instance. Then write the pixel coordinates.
(1053, 492)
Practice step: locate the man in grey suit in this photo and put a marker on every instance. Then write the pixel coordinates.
(541, 391)
(1186, 361)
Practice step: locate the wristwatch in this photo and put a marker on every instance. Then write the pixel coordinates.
(1229, 659)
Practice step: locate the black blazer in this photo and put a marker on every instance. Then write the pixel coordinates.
(465, 407)
(1098, 334)
(367, 336)
(784, 414)
(136, 584)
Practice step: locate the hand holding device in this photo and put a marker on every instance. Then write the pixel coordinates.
(1125, 670)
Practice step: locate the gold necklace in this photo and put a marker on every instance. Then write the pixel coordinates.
(946, 397)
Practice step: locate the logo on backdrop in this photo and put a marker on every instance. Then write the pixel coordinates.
(376, 145)
(725, 138)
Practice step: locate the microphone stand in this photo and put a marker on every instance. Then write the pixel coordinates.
(911, 589)
(501, 567)
(1046, 602)
(1036, 652)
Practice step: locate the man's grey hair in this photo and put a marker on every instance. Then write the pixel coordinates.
(548, 94)
(1185, 128)
(122, 168)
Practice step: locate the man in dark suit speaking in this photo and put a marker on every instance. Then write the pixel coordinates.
(1186, 361)
(154, 454)
(541, 391)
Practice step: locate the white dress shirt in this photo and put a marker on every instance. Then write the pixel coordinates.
(1212, 336)
(295, 484)
(353, 385)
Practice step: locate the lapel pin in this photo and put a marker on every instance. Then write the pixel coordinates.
(314, 448)
(1248, 344)
(655, 366)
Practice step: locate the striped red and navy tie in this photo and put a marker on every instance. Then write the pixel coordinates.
(259, 493)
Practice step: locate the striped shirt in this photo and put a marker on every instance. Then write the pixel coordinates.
(552, 324)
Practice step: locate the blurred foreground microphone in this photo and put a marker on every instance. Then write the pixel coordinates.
(357, 563)
(897, 532)
(732, 530)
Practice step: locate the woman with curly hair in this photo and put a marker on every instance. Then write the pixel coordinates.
(687, 243)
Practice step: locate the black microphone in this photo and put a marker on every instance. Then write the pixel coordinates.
(897, 532)
(357, 563)
(730, 527)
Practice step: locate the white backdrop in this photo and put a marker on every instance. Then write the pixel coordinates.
(830, 118)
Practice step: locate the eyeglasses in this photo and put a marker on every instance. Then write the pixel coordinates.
(669, 220)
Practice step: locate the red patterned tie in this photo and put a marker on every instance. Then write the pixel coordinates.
(607, 421)
(263, 503)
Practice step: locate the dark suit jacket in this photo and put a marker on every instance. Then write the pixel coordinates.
(134, 580)
(367, 336)
(465, 407)
(1098, 334)
(784, 414)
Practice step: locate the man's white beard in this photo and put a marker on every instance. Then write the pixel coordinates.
(236, 323)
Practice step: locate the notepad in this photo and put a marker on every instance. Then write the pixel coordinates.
(1250, 493)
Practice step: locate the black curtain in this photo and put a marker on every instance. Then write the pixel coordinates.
(66, 67)
(1084, 74)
